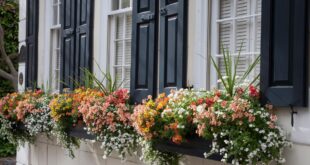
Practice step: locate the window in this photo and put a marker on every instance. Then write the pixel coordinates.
(120, 41)
(236, 23)
(55, 46)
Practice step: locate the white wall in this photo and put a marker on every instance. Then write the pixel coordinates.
(46, 152)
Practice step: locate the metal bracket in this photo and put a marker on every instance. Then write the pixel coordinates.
(163, 11)
(293, 112)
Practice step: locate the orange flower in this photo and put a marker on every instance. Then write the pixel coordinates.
(177, 139)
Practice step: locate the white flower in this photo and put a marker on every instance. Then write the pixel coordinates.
(281, 160)
(200, 108)
(205, 155)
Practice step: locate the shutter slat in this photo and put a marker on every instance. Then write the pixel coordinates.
(242, 7)
(225, 8)
(242, 35)
(128, 52)
(119, 52)
(225, 35)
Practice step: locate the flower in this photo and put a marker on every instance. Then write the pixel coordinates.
(177, 139)
(246, 122)
(253, 92)
(109, 118)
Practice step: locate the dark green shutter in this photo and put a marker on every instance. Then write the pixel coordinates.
(284, 52)
(144, 50)
(173, 44)
(32, 42)
(76, 40)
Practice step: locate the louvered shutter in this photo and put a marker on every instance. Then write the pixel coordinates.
(284, 52)
(144, 50)
(173, 45)
(83, 46)
(31, 42)
(76, 40)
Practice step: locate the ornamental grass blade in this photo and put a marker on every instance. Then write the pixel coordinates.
(219, 73)
(250, 69)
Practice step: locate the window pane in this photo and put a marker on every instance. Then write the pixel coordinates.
(55, 14)
(226, 8)
(115, 4)
(258, 34)
(119, 53)
(125, 3)
(128, 26)
(243, 7)
(128, 52)
(225, 35)
(240, 28)
(242, 35)
(127, 78)
(118, 75)
(258, 6)
(243, 64)
(120, 27)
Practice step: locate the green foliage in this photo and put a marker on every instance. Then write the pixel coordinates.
(107, 85)
(6, 148)
(9, 22)
(230, 79)
(5, 87)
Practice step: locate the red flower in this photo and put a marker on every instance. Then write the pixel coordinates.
(253, 91)
(218, 93)
(209, 102)
(200, 101)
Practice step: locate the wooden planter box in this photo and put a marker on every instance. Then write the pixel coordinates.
(79, 132)
(194, 147)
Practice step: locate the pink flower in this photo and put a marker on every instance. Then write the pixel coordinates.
(273, 118)
(223, 104)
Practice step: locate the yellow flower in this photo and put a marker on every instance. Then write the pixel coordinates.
(150, 103)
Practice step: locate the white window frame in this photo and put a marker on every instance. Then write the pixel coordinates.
(215, 21)
(112, 40)
(49, 81)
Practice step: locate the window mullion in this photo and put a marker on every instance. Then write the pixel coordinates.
(233, 40)
(113, 47)
(119, 4)
(124, 47)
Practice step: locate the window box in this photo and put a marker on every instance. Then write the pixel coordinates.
(79, 132)
(195, 146)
